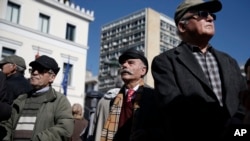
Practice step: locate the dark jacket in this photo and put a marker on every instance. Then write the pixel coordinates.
(5, 107)
(80, 127)
(5, 111)
(143, 120)
(190, 107)
(16, 85)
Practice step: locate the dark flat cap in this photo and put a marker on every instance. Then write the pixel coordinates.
(46, 62)
(212, 6)
(133, 54)
(14, 59)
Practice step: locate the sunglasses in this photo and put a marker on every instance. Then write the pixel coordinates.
(40, 70)
(201, 14)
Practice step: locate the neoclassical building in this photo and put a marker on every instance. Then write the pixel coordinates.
(57, 28)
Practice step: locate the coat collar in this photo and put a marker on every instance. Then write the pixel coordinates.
(184, 55)
(191, 64)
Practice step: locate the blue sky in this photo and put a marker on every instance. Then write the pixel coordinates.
(232, 24)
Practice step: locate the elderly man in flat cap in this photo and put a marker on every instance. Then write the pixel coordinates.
(132, 112)
(16, 84)
(197, 85)
(44, 114)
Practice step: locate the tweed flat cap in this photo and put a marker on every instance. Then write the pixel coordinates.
(212, 6)
(46, 62)
(14, 59)
(134, 54)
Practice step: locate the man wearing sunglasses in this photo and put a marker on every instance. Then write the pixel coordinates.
(44, 114)
(197, 85)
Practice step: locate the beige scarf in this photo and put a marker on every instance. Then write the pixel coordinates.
(111, 125)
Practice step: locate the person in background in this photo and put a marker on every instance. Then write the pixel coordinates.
(246, 94)
(102, 112)
(80, 123)
(132, 113)
(197, 85)
(47, 111)
(247, 72)
(16, 84)
(103, 108)
(5, 110)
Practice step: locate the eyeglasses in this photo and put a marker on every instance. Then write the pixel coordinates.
(40, 70)
(202, 14)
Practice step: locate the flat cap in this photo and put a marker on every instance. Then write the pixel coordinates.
(212, 6)
(134, 54)
(46, 62)
(14, 59)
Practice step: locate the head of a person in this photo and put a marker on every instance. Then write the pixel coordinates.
(194, 19)
(77, 111)
(12, 64)
(134, 65)
(247, 72)
(43, 72)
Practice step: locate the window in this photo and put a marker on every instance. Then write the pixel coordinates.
(44, 23)
(69, 72)
(70, 32)
(7, 52)
(13, 12)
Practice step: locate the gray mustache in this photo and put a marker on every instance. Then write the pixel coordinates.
(126, 71)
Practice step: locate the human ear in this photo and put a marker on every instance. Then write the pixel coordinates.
(182, 26)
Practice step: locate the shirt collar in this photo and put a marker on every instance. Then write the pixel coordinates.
(194, 48)
(135, 88)
(45, 89)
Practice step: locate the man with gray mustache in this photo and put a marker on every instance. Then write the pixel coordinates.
(131, 116)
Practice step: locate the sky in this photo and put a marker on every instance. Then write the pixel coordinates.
(232, 24)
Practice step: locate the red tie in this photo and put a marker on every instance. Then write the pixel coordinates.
(130, 94)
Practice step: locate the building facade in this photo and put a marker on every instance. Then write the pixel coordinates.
(146, 30)
(57, 28)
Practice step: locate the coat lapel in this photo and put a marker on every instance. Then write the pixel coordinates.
(191, 64)
(224, 71)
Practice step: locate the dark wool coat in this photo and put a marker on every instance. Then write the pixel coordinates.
(142, 125)
(5, 111)
(190, 108)
(16, 85)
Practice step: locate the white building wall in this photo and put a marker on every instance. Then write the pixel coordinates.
(26, 39)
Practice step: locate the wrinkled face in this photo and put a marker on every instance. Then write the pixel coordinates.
(41, 77)
(132, 70)
(198, 24)
(8, 68)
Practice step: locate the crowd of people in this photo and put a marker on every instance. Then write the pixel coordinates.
(199, 93)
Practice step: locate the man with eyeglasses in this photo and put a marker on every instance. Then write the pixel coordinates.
(198, 86)
(43, 114)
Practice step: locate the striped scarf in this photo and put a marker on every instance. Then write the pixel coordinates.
(111, 125)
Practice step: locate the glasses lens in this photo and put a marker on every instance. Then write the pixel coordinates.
(204, 14)
(40, 70)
